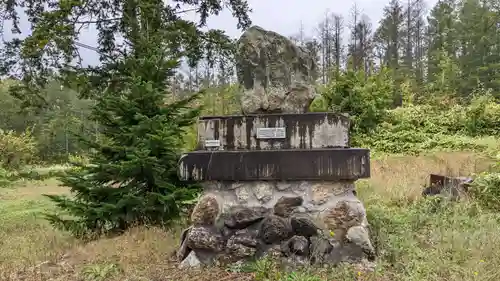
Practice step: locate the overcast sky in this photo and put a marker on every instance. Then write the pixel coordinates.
(282, 16)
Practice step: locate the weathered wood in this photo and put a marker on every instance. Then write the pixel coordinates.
(252, 132)
(319, 164)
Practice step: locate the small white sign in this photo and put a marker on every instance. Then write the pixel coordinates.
(271, 133)
(212, 143)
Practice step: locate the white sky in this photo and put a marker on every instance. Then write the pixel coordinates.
(282, 16)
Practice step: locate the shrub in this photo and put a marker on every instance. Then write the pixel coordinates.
(16, 150)
(365, 99)
(486, 188)
(482, 116)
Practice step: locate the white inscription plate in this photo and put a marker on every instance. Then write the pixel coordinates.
(212, 143)
(271, 133)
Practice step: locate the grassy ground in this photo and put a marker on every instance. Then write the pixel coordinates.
(416, 239)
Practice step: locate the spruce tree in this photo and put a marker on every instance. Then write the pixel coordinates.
(131, 178)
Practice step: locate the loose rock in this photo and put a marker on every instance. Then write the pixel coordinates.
(297, 245)
(285, 205)
(242, 217)
(204, 238)
(303, 227)
(274, 229)
(206, 211)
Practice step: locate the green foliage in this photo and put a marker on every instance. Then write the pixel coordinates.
(100, 272)
(52, 128)
(140, 123)
(217, 101)
(486, 188)
(365, 99)
(5, 177)
(133, 178)
(415, 129)
(16, 150)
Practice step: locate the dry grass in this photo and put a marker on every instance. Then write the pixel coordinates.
(451, 245)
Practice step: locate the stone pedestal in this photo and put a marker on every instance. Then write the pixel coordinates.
(276, 184)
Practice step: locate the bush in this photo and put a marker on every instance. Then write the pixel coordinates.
(486, 188)
(411, 129)
(5, 177)
(417, 128)
(365, 99)
(482, 116)
(16, 150)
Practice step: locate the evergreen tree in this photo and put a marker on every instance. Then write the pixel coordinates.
(131, 179)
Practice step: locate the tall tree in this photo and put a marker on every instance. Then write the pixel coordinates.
(361, 47)
(132, 178)
(330, 31)
(389, 41)
(478, 34)
(441, 35)
(338, 49)
(417, 35)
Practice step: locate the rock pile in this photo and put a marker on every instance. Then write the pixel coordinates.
(244, 233)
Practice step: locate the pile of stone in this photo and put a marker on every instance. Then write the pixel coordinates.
(245, 233)
(278, 181)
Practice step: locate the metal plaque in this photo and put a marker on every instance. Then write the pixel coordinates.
(271, 133)
(212, 143)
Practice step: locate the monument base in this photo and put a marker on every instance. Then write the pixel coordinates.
(300, 222)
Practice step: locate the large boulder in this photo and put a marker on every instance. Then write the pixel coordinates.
(277, 75)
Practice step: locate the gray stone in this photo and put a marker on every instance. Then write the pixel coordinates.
(359, 236)
(263, 191)
(301, 186)
(240, 217)
(297, 245)
(183, 250)
(322, 192)
(239, 251)
(243, 244)
(277, 75)
(206, 211)
(285, 205)
(274, 229)
(319, 249)
(303, 226)
(204, 238)
(282, 186)
(269, 251)
(346, 213)
(243, 193)
(235, 185)
(347, 252)
(246, 237)
(191, 261)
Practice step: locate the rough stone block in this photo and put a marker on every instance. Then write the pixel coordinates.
(291, 131)
(276, 74)
(318, 164)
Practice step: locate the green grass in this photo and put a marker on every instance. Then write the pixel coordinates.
(416, 239)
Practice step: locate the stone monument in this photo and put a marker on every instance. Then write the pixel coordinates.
(277, 180)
